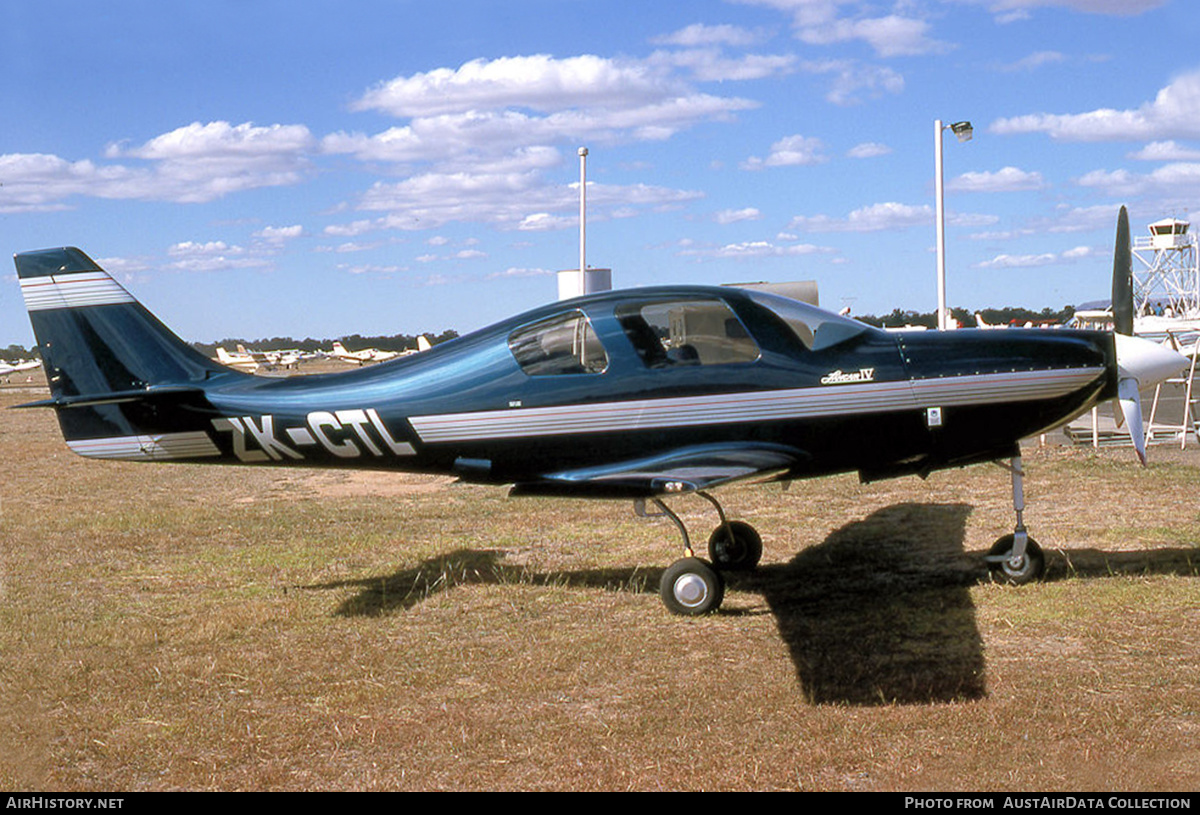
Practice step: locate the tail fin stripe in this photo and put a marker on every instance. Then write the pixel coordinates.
(72, 291)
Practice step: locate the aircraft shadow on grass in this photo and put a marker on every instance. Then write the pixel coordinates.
(877, 613)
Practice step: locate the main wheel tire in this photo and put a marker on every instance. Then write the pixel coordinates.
(691, 587)
(740, 553)
(1030, 569)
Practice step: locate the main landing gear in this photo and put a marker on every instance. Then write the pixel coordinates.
(692, 586)
(1016, 559)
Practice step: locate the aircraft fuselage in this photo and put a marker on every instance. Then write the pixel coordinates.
(876, 402)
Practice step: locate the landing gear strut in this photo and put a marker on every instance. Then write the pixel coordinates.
(1016, 559)
(691, 585)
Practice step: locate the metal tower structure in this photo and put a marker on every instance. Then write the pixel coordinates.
(1169, 283)
(1166, 295)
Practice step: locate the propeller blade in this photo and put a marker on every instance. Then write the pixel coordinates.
(1131, 408)
(1141, 364)
(1122, 280)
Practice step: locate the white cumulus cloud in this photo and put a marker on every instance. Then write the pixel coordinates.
(791, 151)
(733, 216)
(873, 218)
(539, 82)
(1173, 113)
(1008, 179)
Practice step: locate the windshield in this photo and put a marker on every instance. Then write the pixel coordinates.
(816, 328)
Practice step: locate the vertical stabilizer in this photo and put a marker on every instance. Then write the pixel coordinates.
(115, 371)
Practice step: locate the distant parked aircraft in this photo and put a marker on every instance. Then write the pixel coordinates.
(241, 360)
(9, 368)
(363, 357)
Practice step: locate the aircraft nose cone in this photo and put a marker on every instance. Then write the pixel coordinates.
(1147, 362)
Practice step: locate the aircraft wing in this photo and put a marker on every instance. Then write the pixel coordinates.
(686, 469)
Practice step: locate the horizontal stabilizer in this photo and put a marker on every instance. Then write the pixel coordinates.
(113, 398)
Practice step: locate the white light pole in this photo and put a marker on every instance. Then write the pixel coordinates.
(583, 152)
(963, 131)
(582, 280)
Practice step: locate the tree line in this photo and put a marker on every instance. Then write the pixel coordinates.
(1009, 315)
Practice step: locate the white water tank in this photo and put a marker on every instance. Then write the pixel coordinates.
(573, 284)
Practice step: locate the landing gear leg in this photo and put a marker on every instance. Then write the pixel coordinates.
(1016, 559)
(690, 586)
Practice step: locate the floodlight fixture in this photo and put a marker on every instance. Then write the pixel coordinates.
(964, 132)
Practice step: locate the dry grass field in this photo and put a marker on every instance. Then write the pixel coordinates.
(169, 627)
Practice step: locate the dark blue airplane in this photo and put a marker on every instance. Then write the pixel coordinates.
(640, 394)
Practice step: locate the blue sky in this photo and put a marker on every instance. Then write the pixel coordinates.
(311, 168)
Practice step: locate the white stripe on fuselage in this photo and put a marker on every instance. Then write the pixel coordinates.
(753, 406)
(72, 291)
(160, 447)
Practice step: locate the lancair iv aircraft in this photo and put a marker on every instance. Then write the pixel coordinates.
(642, 394)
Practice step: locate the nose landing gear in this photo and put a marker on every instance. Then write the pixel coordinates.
(1016, 559)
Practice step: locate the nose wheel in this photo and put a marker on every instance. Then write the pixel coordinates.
(1016, 559)
(1007, 566)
